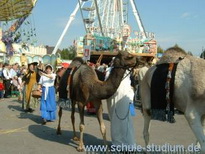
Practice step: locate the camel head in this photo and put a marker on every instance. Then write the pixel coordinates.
(125, 60)
(172, 55)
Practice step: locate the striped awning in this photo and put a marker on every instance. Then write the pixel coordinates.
(14, 9)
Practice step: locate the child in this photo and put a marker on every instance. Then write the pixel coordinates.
(1, 89)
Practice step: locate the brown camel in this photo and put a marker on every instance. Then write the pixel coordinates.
(189, 92)
(86, 87)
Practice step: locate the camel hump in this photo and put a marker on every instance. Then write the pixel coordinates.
(76, 62)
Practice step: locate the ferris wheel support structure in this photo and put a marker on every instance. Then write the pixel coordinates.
(72, 17)
(137, 17)
(99, 20)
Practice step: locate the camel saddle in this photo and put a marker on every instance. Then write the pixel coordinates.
(65, 92)
(63, 82)
(69, 82)
(162, 90)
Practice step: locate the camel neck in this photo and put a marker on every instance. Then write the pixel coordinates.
(112, 83)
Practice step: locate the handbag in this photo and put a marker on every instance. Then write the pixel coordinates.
(36, 93)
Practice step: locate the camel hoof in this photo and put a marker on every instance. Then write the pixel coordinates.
(76, 138)
(80, 149)
(58, 132)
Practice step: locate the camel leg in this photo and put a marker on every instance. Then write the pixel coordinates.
(146, 109)
(146, 106)
(147, 119)
(194, 119)
(203, 125)
(99, 111)
(81, 109)
(203, 122)
(58, 132)
(75, 138)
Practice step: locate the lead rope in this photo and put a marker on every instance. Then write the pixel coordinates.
(125, 117)
(128, 111)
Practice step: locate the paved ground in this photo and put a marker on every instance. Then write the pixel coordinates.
(22, 133)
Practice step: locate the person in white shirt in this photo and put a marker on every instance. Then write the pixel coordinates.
(7, 80)
(122, 129)
(48, 101)
(13, 70)
(14, 76)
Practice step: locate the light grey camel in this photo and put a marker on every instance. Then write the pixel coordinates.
(189, 92)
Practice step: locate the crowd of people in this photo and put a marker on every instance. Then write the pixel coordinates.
(10, 79)
(20, 81)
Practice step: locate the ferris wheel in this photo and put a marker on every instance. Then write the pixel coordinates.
(107, 18)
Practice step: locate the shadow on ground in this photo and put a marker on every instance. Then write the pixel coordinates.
(15, 107)
(46, 133)
(23, 115)
(36, 118)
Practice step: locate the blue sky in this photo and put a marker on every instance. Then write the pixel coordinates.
(172, 21)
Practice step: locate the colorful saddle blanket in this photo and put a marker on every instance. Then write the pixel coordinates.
(161, 109)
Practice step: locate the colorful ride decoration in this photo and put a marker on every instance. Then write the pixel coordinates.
(2, 45)
(136, 45)
(96, 43)
(14, 9)
(13, 13)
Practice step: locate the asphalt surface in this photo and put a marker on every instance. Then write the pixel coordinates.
(22, 133)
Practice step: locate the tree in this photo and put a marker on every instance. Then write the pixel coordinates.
(177, 46)
(189, 53)
(68, 53)
(160, 50)
(203, 54)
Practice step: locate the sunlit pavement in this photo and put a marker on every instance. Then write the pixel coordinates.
(22, 133)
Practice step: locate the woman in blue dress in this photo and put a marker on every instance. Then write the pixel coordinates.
(48, 100)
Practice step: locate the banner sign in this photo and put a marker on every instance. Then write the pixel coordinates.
(86, 52)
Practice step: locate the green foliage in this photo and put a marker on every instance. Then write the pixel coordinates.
(160, 50)
(202, 54)
(189, 53)
(177, 46)
(68, 53)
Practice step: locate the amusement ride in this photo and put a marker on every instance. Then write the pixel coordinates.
(18, 33)
(107, 29)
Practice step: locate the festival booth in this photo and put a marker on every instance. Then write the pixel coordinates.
(46, 59)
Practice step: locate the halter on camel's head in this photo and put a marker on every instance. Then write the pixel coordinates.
(124, 60)
(173, 55)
